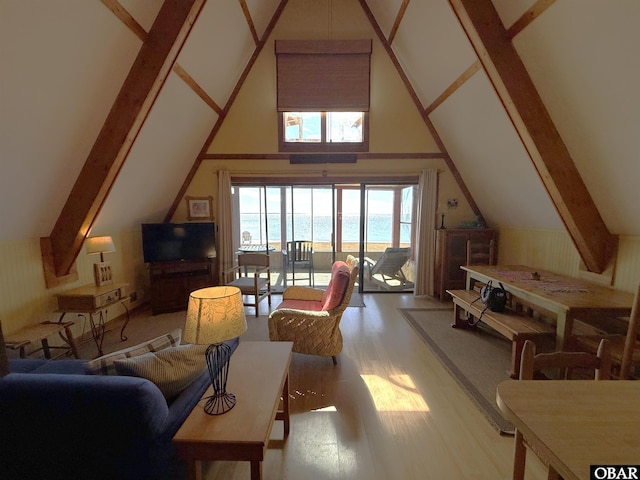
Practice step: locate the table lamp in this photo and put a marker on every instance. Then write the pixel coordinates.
(216, 314)
(102, 270)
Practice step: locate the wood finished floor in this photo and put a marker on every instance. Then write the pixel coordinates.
(388, 410)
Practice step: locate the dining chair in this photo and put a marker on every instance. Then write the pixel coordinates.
(625, 349)
(481, 253)
(252, 275)
(532, 367)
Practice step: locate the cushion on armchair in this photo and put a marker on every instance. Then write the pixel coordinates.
(310, 299)
(337, 288)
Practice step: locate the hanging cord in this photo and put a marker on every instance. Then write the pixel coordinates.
(472, 323)
(330, 20)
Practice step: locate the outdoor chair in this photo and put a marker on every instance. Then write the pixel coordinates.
(310, 318)
(566, 363)
(298, 257)
(387, 272)
(252, 276)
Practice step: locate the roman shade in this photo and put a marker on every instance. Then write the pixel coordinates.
(323, 75)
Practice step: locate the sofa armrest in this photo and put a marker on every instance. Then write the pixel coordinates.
(111, 424)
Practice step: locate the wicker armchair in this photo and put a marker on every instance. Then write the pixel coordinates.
(310, 318)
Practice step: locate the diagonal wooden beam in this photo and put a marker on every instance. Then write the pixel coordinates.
(128, 113)
(539, 135)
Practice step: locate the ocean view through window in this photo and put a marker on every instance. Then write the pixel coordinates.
(339, 220)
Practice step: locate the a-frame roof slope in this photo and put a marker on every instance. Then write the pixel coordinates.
(65, 66)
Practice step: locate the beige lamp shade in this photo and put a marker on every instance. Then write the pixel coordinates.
(100, 245)
(214, 314)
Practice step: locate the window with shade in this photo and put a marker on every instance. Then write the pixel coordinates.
(323, 95)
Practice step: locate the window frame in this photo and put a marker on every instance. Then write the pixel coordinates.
(322, 146)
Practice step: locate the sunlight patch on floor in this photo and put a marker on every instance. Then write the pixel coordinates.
(397, 393)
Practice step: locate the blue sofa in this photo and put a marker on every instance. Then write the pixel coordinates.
(56, 422)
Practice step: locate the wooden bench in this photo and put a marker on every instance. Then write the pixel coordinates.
(515, 327)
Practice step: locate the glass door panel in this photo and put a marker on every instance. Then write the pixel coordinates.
(389, 230)
(367, 221)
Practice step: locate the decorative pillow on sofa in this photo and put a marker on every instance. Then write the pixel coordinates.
(171, 369)
(104, 365)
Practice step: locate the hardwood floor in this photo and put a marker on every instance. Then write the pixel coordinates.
(388, 410)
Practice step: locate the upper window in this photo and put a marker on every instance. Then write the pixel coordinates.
(323, 131)
(323, 95)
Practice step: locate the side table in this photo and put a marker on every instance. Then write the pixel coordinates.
(39, 333)
(259, 377)
(93, 302)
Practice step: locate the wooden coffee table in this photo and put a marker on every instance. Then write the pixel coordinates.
(258, 377)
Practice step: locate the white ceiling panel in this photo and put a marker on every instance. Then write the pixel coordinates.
(385, 13)
(432, 48)
(62, 70)
(490, 157)
(261, 13)
(160, 159)
(584, 62)
(144, 11)
(511, 10)
(218, 49)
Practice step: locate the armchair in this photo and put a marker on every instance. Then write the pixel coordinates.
(310, 318)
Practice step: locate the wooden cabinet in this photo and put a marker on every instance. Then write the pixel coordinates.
(172, 282)
(451, 253)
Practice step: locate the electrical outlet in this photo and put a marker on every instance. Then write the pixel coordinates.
(133, 296)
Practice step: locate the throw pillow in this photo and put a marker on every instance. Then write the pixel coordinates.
(172, 369)
(104, 365)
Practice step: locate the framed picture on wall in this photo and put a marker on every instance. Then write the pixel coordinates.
(199, 208)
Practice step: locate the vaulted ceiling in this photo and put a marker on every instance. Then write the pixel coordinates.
(109, 105)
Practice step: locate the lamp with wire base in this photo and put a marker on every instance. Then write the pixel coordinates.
(214, 315)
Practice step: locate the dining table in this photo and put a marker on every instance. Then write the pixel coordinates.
(576, 425)
(565, 298)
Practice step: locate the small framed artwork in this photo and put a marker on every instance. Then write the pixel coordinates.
(199, 208)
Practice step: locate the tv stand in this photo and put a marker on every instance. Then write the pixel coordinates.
(172, 282)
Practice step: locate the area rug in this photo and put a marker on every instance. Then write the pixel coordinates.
(477, 358)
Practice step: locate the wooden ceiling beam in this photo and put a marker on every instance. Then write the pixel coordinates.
(128, 113)
(539, 135)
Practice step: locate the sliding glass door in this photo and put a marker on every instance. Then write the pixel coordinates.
(372, 222)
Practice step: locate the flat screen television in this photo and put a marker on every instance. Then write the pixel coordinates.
(164, 242)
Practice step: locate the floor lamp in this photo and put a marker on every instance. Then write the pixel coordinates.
(214, 315)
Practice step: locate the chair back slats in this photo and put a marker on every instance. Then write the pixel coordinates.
(631, 340)
(299, 251)
(565, 361)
